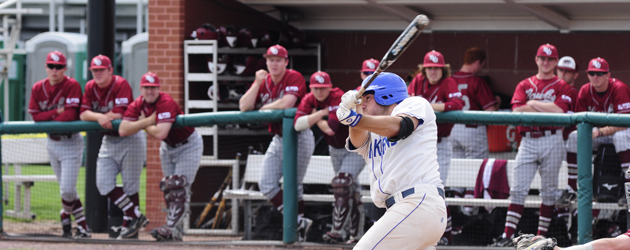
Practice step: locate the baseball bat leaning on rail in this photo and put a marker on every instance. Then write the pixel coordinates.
(216, 197)
(400, 45)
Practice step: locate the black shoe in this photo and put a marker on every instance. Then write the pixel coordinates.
(302, 229)
(502, 242)
(134, 226)
(67, 231)
(82, 233)
(566, 198)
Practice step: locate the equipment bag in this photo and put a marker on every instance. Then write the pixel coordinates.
(608, 178)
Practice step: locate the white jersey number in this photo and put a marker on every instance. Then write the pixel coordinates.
(464, 97)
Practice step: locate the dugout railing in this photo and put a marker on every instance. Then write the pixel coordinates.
(584, 122)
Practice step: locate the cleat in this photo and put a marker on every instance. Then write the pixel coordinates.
(67, 231)
(502, 242)
(302, 229)
(165, 233)
(82, 233)
(443, 241)
(133, 228)
(332, 238)
(566, 198)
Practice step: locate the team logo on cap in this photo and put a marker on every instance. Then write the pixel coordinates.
(566, 62)
(150, 79)
(55, 57)
(597, 64)
(97, 62)
(273, 50)
(547, 50)
(370, 65)
(433, 58)
(319, 79)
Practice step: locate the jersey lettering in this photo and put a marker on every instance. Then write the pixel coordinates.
(73, 101)
(164, 115)
(102, 109)
(549, 96)
(291, 88)
(123, 100)
(377, 149)
(460, 87)
(45, 106)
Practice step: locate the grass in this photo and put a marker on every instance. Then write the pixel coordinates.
(46, 200)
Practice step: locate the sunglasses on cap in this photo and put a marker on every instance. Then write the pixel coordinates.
(55, 66)
(593, 73)
(368, 72)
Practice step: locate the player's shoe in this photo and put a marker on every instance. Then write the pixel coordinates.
(622, 202)
(165, 233)
(332, 238)
(67, 231)
(302, 229)
(82, 233)
(443, 241)
(134, 226)
(566, 198)
(502, 242)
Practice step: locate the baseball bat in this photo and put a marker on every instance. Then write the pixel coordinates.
(400, 45)
(216, 197)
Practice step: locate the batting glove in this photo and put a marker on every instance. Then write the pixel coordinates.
(348, 116)
(350, 99)
(532, 242)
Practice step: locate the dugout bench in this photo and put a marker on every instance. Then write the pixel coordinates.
(462, 173)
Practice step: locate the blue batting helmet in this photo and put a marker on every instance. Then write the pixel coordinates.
(388, 88)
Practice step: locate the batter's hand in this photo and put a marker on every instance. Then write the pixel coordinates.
(348, 116)
(350, 99)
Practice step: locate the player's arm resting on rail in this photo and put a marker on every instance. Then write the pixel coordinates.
(160, 130)
(307, 121)
(128, 127)
(104, 120)
(66, 114)
(606, 131)
(324, 127)
(539, 106)
(287, 101)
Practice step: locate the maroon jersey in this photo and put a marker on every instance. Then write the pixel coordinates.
(167, 110)
(476, 93)
(114, 97)
(616, 99)
(310, 103)
(292, 83)
(551, 90)
(46, 99)
(574, 97)
(445, 91)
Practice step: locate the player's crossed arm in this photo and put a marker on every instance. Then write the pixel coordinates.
(129, 127)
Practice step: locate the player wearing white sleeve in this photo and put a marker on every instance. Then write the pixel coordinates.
(397, 136)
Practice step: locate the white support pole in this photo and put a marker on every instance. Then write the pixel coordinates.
(60, 18)
(51, 16)
(139, 17)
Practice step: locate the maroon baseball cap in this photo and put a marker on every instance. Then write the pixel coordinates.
(369, 65)
(150, 79)
(101, 62)
(433, 59)
(320, 79)
(547, 50)
(277, 50)
(598, 65)
(56, 57)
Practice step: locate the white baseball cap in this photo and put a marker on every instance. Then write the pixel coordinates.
(567, 62)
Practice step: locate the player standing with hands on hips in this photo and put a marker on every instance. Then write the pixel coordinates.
(57, 98)
(180, 151)
(106, 98)
(397, 136)
(541, 147)
(280, 88)
(320, 107)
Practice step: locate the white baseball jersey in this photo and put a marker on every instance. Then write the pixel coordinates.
(396, 166)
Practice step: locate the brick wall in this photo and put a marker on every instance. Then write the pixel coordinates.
(166, 36)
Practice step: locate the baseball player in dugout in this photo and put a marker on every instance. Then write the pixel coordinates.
(436, 86)
(106, 98)
(368, 67)
(320, 107)
(397, 135)
(57, 98)
(541, 146)
(180, 151)
(280, 88)
(602, 94)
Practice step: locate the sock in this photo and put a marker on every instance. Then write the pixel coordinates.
(123, 202)
(448, 232)
(514, 214)
(277, 201)
(544, 219)
(572, 170)
(65, 212)
(136, 204)
(301, 207)
(79, 216)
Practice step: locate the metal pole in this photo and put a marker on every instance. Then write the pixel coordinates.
(51, 16)
(139, 10)
(289, 171)
(2, 184)
(100, 33)
(585, 182)
(60, 17)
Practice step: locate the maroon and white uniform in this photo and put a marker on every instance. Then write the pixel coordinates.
(540, 150)
(181, 150)
(125, 155)
(470, 140)
(574, 97)
(292, 83)
(616, 99)
(445, 92)
(64, 150)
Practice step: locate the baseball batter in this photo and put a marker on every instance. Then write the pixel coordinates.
(57, 98)
(280, 88)
(436, 86)
(106, 98)
(470, 141)
(602, 94)
(397, 135)
(320, 107)
(541, 146)
(180, 151)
